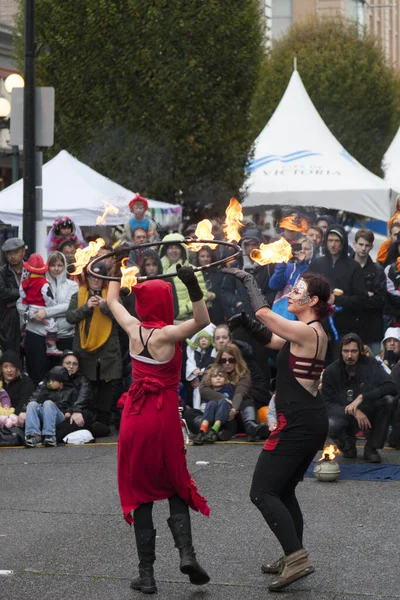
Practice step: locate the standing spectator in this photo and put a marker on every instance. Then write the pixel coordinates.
(316, 235)
(18, 385)
(139, 236)
(171, 256)
(392, 307)
(383, 251)
(213, 279)
(358, 394)
(68, 249)
(97, 343)
(371, 317)
(346, 277)
(10, 278)
(324, 222)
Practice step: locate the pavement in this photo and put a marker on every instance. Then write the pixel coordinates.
(62, 535)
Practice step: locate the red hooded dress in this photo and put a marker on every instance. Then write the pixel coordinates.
(151, 455)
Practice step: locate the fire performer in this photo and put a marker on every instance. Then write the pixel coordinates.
(302, 419)
(151, 456)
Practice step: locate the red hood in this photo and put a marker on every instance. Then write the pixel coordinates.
(154, 303)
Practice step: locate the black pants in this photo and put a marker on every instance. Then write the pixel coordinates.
(394, 438)
(37, 363)
(273, 492)
(101, 403)
(143, 515)
(65, 428)
(342, 425)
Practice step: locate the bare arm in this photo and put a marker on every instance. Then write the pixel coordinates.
(283, 329)
(121, 315)
(176, 333)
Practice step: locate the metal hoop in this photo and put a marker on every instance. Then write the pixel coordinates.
(125, 250)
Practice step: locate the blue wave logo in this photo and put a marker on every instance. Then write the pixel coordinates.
(285, 158)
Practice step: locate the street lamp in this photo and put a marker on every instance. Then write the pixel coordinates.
(14, 81)
(5, 109)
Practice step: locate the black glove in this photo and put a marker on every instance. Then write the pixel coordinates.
(257, 330)
(256, 297)
(188, 277)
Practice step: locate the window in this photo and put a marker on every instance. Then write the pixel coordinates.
(355, 11)
(281, 16)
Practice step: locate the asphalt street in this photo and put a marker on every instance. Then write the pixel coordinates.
(62, 535)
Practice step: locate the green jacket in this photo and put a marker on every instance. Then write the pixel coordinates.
(184, 303)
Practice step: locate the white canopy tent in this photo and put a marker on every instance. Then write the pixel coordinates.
(299, 162)
(390, 163)
(71, 188)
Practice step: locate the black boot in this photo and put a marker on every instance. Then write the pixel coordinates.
(348, 447)
(371, 454)
(251, 426)
(182, 533)
(146, 544)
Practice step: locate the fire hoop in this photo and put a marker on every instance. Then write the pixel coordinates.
(125, 250)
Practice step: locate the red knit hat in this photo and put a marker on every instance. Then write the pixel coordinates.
(35, 264)
(138, 198)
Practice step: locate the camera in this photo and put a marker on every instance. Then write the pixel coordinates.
(97, 292)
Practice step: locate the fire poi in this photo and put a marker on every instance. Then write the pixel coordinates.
(327, 469)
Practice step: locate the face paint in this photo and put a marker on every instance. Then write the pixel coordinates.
(300, 289)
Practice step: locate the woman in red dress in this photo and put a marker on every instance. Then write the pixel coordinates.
(151, 455)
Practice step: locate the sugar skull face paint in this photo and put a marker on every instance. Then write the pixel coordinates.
(300, 293)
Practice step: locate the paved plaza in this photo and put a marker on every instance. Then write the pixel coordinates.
(63, 537)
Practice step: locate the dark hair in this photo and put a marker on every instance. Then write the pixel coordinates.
(366, 234)
(349, 338)
(318, 285)
(66, 243)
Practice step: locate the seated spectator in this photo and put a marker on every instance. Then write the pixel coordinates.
(287, 274)
(63, 230)
(18, 385)
(316, 235)
(138, 207)
(394, 436)
(81, 398)
(199, 357)
(10, 278)
(68, 249)
(171, 256)
(237, 372)
(358, 395)
(216, 412)
(213, 279)
(49, 405)
(389, 355)
(97, 343)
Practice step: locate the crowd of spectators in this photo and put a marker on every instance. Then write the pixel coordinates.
(65, 361)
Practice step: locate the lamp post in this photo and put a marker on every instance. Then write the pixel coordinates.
(29, 204)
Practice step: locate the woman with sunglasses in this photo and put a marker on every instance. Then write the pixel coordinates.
(302, 418)
(151, 457)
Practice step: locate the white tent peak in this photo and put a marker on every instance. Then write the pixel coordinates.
(298, 161)
(71, 188)
(390, 163)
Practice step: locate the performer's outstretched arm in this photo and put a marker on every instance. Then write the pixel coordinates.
(121, 315)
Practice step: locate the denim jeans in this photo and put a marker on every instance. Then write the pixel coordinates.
(42, 418)
(217, 411)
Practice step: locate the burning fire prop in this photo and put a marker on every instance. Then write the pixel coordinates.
(109, 209)
(83, 255)
(327, 469)
(128, 277)
(233, 221)
(279, 251)
(204, 232)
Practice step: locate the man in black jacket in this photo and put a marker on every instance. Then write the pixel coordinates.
(10, 277)
(371, 316)
(358, 394)
(346, 278)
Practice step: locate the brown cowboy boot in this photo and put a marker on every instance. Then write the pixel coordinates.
(275, 567)
(296, 566)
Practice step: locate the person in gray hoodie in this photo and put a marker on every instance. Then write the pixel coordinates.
(38, 364)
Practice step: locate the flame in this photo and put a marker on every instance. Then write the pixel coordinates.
(128, 277)
(233, 221)
(329, 452)
(203, 232)
(294, 224)
(276, 252)
(109, 209)
(83, 255)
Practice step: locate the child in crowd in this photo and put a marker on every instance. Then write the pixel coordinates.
(199, 357)
(64, 230)
(216, 413)
(272, 418)
(138, 207)
(36, 293)
(49, 405)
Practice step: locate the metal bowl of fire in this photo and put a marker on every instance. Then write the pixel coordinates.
(327, 469)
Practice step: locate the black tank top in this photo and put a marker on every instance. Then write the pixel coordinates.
(145, 353)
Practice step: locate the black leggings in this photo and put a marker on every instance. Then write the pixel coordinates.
(143, 515)
(273, 492)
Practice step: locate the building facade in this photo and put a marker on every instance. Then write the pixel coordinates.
(380, 17)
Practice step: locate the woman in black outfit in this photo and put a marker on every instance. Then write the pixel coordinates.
(302, 418)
